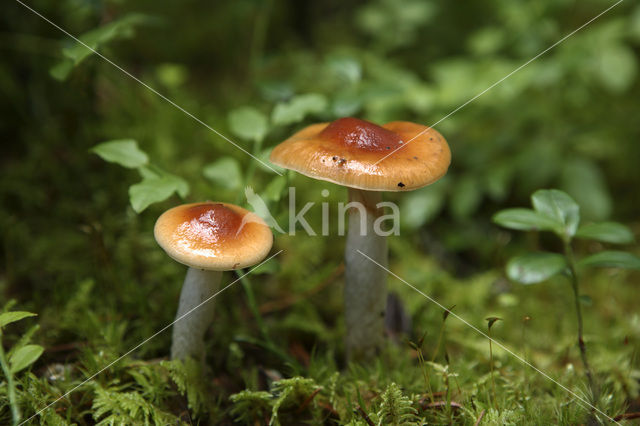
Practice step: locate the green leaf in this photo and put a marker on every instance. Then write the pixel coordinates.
(586, 183)
(156, 189)
(532, 268)
(607, 232)
(273, 191)
(248, 123)
(24, 357)
(560, 207)
(76, 52)
(524, 220)
(9, 317)
(124, 152)
(225, 173)
(298, 108)
(612, 259)
(617, 67)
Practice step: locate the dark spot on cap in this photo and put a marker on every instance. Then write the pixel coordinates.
(415, 158)
(335, 158)
(388, 147)
(401, 185)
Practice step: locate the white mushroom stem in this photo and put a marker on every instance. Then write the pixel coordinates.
(192, 321)
(365, 291)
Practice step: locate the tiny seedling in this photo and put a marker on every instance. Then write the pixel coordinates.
(445, 315)
(557, 212)
(423, 365)
(490, 322)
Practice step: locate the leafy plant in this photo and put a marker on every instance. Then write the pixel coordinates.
(19, 357)
(557, 212)
(156, 185)
(396, 408)
(295, 393)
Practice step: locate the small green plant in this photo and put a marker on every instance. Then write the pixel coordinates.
(557, 212)
(396, 408)
(20, 356)
(423, 365)
(156, 184)
(490, 322)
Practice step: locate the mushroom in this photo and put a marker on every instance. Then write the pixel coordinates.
(209, 238)
(355, 153)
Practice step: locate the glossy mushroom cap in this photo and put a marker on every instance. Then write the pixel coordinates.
(346, 151)
(213, 236)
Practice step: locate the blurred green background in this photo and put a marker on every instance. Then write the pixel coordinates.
(76, 252)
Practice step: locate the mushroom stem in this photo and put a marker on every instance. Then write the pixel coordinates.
(191, 324)
(365, 292)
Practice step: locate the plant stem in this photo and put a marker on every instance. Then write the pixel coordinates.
(437, 349)
(425, 373)
(255, 311)
(11, 388)
(576, 293)
(493, 382)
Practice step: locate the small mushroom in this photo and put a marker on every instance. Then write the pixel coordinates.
(373, 167)
(209, 238)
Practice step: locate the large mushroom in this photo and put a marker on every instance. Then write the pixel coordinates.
(356, 153)
(209, 238)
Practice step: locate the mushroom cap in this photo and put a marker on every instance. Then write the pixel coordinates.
(346, 151)
(213, 236)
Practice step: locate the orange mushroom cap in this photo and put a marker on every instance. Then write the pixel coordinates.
(353, 152)
(213, 236)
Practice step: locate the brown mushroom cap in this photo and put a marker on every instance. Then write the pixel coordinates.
(213, 236)
(346, 151)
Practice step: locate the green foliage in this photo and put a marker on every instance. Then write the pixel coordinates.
(123, 152)
(248, 123)
(396, 408)
(285, 396)
(532, 268)
(251, 406)
(114, 407)
(612, 259)
(72, 252)
(95, 39)
(224, 173)
(187, 375)
(606, 232)
(555, 211)
(298, 108)
(17, 358)
(13, 316)
(156, 185)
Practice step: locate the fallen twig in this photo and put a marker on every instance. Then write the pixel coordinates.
(441, 404)
(365, 416)
(627, 416)
(308, 400)
(479, 418)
